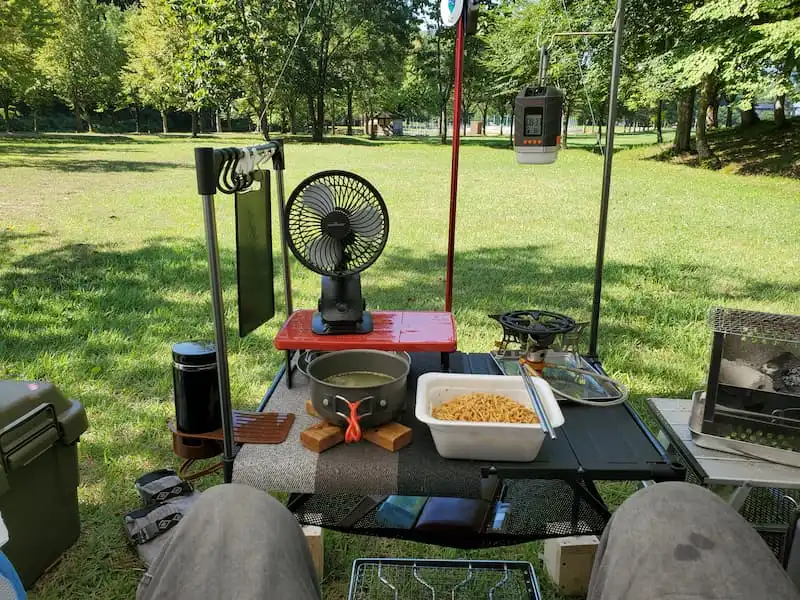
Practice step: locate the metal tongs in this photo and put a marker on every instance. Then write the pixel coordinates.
(537, 402)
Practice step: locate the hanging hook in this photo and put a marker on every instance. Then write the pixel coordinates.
(225, 182)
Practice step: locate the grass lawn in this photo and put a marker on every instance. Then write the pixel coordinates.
(102, 267)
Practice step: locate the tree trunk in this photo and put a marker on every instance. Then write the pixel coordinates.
(263, 120)
(729, 116)
(164, 123)
(78, 122)
(218, 120)
(683, 131)
(600, 126)
(88, 116)
(6, 114)
(712, 114)
(194, 123)
(285, 119)
(319, 117)
(137, 123)
(704, 152)
(749, 117)
(565, 125)
(502, 122)
(780, 111)
(511, 129)
(263, 124)
(228, 118)
(200, 122)
(443, 112)
(660, 122)
(312, 111)
(293, 117)
(349, 112)
(35, 120)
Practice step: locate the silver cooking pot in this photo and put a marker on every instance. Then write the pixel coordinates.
(379, 404)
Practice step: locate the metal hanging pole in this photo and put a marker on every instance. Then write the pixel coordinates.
(619, 23)
(451, 231)
(544, 63)
(206, 186)
(279, 165)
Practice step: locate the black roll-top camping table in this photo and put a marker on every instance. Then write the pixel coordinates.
(553, 496)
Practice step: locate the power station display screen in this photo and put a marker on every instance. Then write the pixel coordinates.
(533, 122)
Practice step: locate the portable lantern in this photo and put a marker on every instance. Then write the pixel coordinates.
(537, 124)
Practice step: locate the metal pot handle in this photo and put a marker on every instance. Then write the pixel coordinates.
(339, 399)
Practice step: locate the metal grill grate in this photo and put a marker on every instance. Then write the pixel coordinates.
(412, 579)
(752, 324)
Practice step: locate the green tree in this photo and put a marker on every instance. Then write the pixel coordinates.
(24, 26)
(154, 41)
(777, 47)
(431, 76)
(84, 58)
(333, 29)
(369, 73)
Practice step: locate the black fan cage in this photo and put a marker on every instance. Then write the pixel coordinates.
(351, 197)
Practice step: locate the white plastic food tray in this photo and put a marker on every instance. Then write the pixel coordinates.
(517, 442)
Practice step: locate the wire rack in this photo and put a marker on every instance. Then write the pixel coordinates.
(423, 579)
(752, 324)
(539, 509)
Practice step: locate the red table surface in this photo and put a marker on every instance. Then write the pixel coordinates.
(393, 330)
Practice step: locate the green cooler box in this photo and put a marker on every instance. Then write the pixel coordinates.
(39, 431)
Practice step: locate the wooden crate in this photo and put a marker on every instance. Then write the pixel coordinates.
(569, 561)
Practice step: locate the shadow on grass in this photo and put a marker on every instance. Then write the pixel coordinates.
(111, 166)
(101, 319)
(9, 238)
(645, 307)
(32, 139)
(95, 166)
(50, 149)
(600, 150)
(99, 306)
(346, 140)
(762, 149)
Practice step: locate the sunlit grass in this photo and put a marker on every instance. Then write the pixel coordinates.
(102, 267)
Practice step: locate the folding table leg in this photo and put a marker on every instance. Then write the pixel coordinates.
(739, 495)
(272, 387)
(288, 367)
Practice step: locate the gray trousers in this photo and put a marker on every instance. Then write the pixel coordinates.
(670, 541)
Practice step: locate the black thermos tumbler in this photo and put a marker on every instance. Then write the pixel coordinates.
(196, 384)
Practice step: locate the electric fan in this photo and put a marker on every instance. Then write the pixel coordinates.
(337, 226)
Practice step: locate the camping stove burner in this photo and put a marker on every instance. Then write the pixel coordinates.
(534, 331)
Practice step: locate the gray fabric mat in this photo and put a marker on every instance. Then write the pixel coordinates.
(290, 467)
(358, 468)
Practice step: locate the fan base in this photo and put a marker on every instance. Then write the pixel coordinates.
(322, 327)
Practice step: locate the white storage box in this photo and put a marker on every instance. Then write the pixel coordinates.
(519, 442)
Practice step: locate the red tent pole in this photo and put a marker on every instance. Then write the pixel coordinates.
(451, 232)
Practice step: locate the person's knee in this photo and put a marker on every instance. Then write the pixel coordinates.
(665, 499)
(242, 502)
(675, 492)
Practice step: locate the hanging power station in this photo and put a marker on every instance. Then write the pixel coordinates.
(537, 129)
(537, 119)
